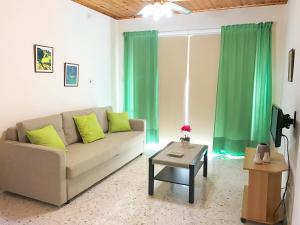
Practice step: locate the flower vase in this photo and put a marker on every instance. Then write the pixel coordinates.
(185, 144)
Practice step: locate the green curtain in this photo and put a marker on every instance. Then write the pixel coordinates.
(141, 80)
(240, 99)
(262, 96)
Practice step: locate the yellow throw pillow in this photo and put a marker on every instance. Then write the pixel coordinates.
(89, 128)
(46, 136)
(118, 122)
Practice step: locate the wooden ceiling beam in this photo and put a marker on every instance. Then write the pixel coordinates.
(128, 9)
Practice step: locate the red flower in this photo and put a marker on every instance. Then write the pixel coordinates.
(186, 128)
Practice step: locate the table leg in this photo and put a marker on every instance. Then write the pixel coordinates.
(151, 177)
(205, 165)
(191, 183)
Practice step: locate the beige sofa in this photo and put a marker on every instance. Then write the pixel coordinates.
(55, 176)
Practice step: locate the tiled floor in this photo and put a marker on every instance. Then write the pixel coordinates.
(122, 199)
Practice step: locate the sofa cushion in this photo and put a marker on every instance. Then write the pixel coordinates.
(83, 157)
(54, 120)
(70, 129)
(101, 113)
(46, 136)
(118, 122)
(89, 128)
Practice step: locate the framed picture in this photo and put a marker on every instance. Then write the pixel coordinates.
(291, 65)
(71, 75)
(43, 59)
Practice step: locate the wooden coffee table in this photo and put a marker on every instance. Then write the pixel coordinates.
(179, 170)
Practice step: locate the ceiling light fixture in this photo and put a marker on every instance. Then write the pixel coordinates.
(156, 10)
(160, 9)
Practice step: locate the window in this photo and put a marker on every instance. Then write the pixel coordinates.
(188, 94)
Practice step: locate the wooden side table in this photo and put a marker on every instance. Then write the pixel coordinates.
(262, 195)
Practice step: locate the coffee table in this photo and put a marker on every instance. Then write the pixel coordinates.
(179, 170)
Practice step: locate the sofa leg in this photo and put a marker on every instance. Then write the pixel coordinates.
(68, 202)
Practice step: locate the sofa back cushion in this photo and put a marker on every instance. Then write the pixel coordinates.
(69, 126)
(27, 125)
(101, 113)
(11, 134)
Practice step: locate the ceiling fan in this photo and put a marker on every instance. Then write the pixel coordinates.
(160, 8)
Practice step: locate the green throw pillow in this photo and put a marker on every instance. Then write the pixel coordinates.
(89, 128)
(118, 122)
(46, 136)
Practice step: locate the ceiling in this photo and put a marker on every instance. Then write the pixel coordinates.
(125, 9)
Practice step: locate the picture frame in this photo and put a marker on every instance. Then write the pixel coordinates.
(71, 78)
(43, 59)
(291, 65)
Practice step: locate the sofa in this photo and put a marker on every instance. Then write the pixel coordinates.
(56, 176)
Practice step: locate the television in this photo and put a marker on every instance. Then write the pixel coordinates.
(279, 121)
(276, 125)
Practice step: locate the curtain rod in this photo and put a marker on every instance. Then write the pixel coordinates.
(189, 32)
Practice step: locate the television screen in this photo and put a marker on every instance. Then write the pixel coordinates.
(276, 125)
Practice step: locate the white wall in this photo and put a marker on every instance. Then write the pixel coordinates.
(291, 102)
(78, 35)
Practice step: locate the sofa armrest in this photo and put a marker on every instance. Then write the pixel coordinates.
(138, 124)
(34, 171)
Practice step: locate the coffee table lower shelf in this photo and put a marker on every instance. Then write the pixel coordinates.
(174, 175)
